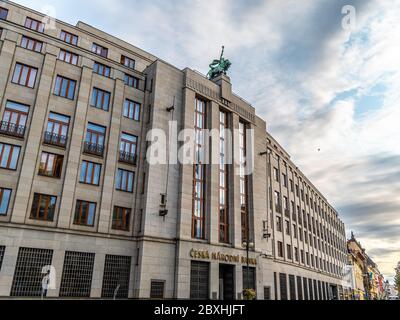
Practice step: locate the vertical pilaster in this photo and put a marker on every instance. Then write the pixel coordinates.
(33, 141)
(213, 176)
(112, 152)
(98, 271)
(6, 58)
(235, 188)
(72, 167)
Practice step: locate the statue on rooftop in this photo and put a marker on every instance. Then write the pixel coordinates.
(218, 67)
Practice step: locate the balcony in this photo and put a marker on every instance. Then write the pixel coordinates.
(12, 129)
(127, 157)
(55, 139)
(93, 148)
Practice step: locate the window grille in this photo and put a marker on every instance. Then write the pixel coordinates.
(157, 289)
(28, 275)
(76, 280)
(2, 249)
(116, 276)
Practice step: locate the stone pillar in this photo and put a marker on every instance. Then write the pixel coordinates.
(72, 166)
(57, 263)
(213, 176)
(235, 187)
(214, 280)
(97, 278)
(6, 59)
(239, 282)
(111, 163)
(186, 196)
(7, 269)
(33, 142)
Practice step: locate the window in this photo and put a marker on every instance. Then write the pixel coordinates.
(3, 13)
(157, 289)
(9, 155)
(28, 276)
(76, 279)
(125, 180)
(128, 62)
(100, 99)
(287, 227)
(43, 207)
(34, 25)
(14, 119)
(276, 174)
(286, 205)
(94, 140)
(243, 183)
(121, 218)
(98, 49)
(296, 254)
(57, 129)
(68, 57)
(284, 179)
(84, 213)
(223, 180)
(127, 148)
(5, 195)
(116, 275)
(277, 201)
(31, 44)
(278, 224)
(289, 251)
(24, 75)
(292, 287)
(294, 231)
(199, 280)
(101, 69)
(283, 286)
(131, 81)
(68, 37)
(51, 165)
(291, 185)
(280, 249)
(65, 88)
(90, 173)
(198, 210)
(132, 110)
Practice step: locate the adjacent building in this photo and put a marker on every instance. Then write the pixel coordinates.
(80, 201)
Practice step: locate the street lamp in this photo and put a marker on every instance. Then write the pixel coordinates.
(248, 245)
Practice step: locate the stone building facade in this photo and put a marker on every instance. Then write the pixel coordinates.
(81, 203)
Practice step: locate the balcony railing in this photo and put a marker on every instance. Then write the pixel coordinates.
(127, 157)
(93, 148)
(55, 139)
(12, 129)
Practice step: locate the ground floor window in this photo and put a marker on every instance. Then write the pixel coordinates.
(199, 280)
(157, 288)
(28, 275)
(249, 278)
(283, 286)
(116, 276)
(76, 280)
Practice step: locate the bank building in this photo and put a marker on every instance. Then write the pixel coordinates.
(80, 201)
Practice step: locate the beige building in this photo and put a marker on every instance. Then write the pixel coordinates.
(78, 196)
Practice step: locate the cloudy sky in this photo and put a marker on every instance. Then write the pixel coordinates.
(318, 86)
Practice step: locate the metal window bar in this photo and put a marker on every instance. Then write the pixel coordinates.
(27, 281)
(116, 276)
(76, 280)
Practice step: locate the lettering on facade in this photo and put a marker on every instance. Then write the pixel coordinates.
(206, 91)
(219, 256)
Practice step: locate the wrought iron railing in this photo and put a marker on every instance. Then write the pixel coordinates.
(55, 139)
(93, 148)
(12, 129)
(127, 157)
